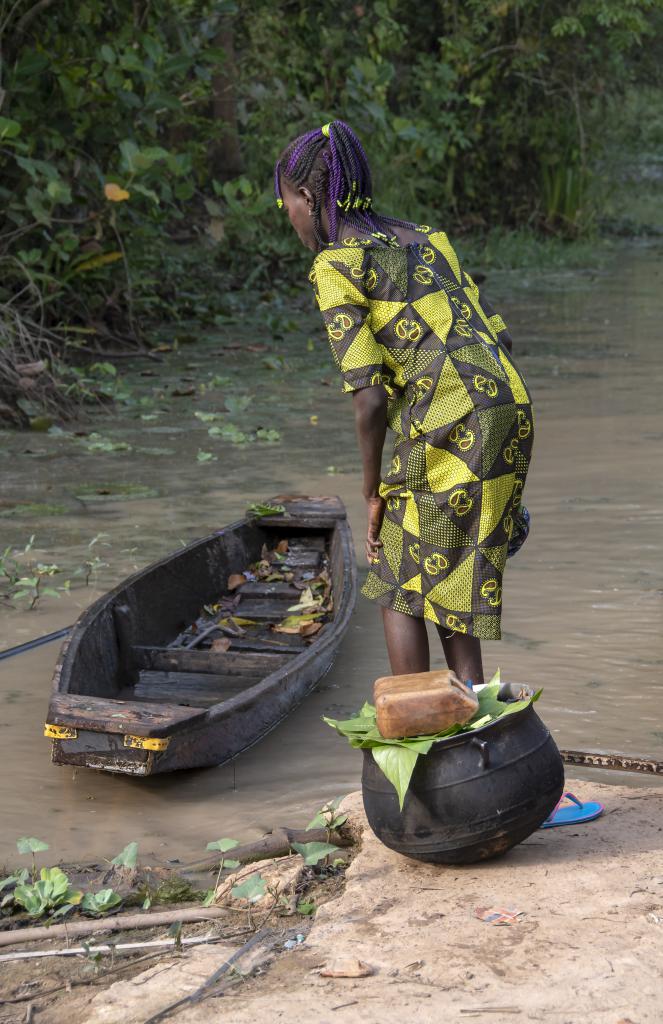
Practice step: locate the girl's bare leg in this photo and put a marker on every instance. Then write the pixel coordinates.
(407, 642)
(463, 654)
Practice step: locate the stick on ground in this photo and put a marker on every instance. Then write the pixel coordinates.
(118, 922)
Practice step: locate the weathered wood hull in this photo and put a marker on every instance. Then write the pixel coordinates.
(120, 646)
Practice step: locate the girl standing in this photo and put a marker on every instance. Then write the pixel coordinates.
(421, 352)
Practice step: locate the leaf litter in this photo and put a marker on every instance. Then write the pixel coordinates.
(219, 622)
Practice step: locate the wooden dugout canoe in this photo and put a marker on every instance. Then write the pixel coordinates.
(129, 696)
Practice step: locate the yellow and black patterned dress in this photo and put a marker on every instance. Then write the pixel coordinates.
(409, 317)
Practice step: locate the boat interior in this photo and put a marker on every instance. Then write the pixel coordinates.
(187, 671)
(175, 640)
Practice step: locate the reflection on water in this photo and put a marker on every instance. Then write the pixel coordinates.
(583, 599)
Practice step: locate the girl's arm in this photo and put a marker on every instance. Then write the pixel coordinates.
(370, 407)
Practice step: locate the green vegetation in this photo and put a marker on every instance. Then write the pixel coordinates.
(22, 578)
(48, 892)
(51, 894)
(137, 143)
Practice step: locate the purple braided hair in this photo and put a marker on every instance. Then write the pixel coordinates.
(331, 162)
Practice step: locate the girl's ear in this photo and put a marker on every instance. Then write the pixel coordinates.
(307, 195)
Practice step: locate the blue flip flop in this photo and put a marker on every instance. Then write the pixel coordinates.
(574, 815)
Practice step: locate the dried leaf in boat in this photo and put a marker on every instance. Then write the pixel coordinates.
(236, 580)
(220, 645)
(310, 628)
(306, 602)
(282, 547)
(293, 623)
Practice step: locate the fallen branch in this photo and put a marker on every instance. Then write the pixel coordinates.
(119, 922)
(112, 948)
(274, 844)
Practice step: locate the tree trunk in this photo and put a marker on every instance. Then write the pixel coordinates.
(225, 153)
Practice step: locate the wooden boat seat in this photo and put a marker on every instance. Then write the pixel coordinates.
(232, 663)
(264, 609)
(190, 689)
(276, 589)
(117, 715)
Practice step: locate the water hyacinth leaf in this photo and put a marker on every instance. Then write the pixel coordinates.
(127, 857)
(272, 436)
(313, 853)
(397, 763)
(28, 844)
(208, 417)
(66, 908)
(230, 863)
(253, 889)
(100, 902)
(236, 404)
(222, 844)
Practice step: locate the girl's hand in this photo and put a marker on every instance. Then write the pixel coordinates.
(373, 542)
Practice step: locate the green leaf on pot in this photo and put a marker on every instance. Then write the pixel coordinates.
(397, 763)
(518, 705)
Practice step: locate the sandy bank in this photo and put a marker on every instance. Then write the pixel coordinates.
(588, 948)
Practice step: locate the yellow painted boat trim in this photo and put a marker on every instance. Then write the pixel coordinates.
(146, 742)
(60, 732)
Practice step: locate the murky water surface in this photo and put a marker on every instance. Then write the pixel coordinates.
(583, 600)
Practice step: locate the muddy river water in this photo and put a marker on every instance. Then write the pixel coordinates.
(583, 599)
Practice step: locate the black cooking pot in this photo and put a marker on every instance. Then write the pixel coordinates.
(474, 795)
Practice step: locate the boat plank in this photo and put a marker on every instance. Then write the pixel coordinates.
(317, 522)
(310, 542)
(302, 560)
(289, 642)
(104, 714)
(178, 659)
(284, 591)
(189, 688)
(264, 609)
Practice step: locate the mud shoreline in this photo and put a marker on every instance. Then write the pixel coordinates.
(586, 946)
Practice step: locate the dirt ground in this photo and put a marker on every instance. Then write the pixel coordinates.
(587, 947)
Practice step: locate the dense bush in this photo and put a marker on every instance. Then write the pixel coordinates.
(128, 128)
